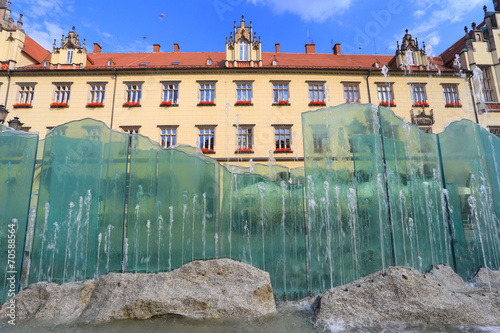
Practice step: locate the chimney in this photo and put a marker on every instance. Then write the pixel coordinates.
(336, 49)
(310, 48)
(278, 46)
(176, 48)
(156, 48)
(97, 48)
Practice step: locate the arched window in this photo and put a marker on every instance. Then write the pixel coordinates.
(243, 51)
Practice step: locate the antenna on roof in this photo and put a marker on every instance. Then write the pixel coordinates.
(307, 35)
(375, 44)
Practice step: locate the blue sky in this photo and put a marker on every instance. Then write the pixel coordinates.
(134, 26)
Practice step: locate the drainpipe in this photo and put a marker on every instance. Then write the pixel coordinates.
(368, 86)
(8, 87)
(113, 103)
(472, 96)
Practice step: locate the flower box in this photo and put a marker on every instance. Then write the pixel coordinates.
(132, 104)
(353, 102)
(243, 103)
(166, 103)
(208, 103)
(283, 103)
(21, 105)
(95, 105)
(207, 151)
(244, 151)
(421, 104)
(317, 103)
(283, 150)
(58, 105)
(451, 105)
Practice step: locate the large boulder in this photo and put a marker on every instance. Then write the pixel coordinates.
(200, 289)
(404, 295)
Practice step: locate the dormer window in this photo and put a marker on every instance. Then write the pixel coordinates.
(275, 63)
(209, 62)
(110, 62)
(410, 58)
(243, 51)
(69, 56)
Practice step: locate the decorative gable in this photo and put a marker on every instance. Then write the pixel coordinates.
(71, 54)
(409, 54)
(243, 49)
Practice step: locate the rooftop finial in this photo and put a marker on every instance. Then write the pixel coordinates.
(73, 28)
(473, 25)
(466, 30)
(485, 10)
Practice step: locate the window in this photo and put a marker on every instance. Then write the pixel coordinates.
(488, 88)
(244, 138)
(133, 93)
(495, 130)
(97, 90)
(62, 94)
(281, 93)
(282, 142)
(351, 92)
(131, 130)
(418, 94)
(26, 94)
(207, 93)
(69, 56)
(316, 93)
(320, 138)
(409, 58)
(206, 139)
(243, 93)
(168, 136)
(385, 94)
(450, 92)
(243, 51)
(170, 93)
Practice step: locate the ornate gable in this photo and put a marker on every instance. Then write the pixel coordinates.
(243, 49)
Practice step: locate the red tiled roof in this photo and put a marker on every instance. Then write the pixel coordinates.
(35, 50)
(199, 59)
(456, 48)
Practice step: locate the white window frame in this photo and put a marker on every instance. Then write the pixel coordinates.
(62, 92)
(316, 91)
(207, 92)
(26, 92)
(170, 92)
(418, 93)
(488, 85)
(282, 138)
(168, 135)
(133, 91)
(351, 92)
(244, 91)
(385, 93)
(97, 92)
(281, 92)
(244, 137)
(450, 94)
(206, 137)
(243, 51)
(69, 55)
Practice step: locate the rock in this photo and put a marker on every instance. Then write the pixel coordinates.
(404, 295)
(201, 289)
(486, 278)
(446, 276)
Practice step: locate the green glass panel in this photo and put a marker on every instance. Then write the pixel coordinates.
(471, 196)
(419, 220)
(17, 163)
(79, 222)
(347, 218)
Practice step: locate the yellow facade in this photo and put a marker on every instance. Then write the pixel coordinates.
(262, 115)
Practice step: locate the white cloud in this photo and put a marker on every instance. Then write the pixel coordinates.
(419, 13)
(312, 10)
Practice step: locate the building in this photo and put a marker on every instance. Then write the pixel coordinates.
(475, 51)
(237, 104)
